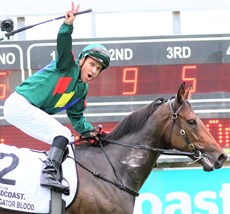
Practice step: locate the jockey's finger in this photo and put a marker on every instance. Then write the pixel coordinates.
(93, 134)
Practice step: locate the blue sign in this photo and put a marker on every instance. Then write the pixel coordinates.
(185, 191)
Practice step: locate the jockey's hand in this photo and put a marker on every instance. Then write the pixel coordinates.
(93, 135)
(69, 16)
(97, 134)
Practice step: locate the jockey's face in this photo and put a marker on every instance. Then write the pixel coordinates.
(90, 68)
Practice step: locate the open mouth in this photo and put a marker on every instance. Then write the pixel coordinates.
(90, 76)
(207, 164)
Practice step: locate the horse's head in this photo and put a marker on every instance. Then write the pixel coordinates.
(188, 133)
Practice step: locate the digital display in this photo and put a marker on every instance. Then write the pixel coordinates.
(219, 128)
(145, 80)
(162, 79)
(8, 81)
(4, 85)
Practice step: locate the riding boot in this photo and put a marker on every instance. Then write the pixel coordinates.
(50, 176)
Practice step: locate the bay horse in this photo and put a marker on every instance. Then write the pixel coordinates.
(112, 173)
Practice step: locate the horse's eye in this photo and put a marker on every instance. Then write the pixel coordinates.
(192, 122)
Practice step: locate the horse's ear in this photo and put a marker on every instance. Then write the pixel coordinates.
(183, 93)
(187, 94)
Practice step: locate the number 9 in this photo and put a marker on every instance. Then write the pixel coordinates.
(134, 72)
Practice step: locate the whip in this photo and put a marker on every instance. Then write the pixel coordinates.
(50, 20)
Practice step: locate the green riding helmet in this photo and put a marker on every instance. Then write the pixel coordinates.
(97, 52)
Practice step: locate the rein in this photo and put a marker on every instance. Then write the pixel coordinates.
(120, 185)
(147, 148)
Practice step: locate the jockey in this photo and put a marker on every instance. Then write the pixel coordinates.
(61, 85)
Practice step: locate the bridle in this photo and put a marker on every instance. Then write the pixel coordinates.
(197, 154)
(174, 116)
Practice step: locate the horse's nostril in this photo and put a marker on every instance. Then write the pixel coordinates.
(222, 157)
(220, 161)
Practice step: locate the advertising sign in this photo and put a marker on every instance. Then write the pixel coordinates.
(185, 191)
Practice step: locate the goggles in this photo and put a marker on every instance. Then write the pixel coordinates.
(100, 51)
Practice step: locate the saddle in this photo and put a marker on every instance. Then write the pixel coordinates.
(20, 170)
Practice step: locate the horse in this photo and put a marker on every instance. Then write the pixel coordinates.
(112, 172)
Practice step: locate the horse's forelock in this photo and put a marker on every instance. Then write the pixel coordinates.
(135, 121)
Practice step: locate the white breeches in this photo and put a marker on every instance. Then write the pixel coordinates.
(33, 121)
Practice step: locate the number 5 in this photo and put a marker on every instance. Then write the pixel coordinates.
(185, 70)
(3, 86)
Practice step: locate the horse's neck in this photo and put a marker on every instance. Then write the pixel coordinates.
(134, 165)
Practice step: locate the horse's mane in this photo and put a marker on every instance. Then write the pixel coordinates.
(135, 121)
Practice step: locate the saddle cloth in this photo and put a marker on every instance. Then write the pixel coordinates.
(20, 171)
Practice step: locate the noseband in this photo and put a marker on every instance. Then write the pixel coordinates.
(196, 153)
